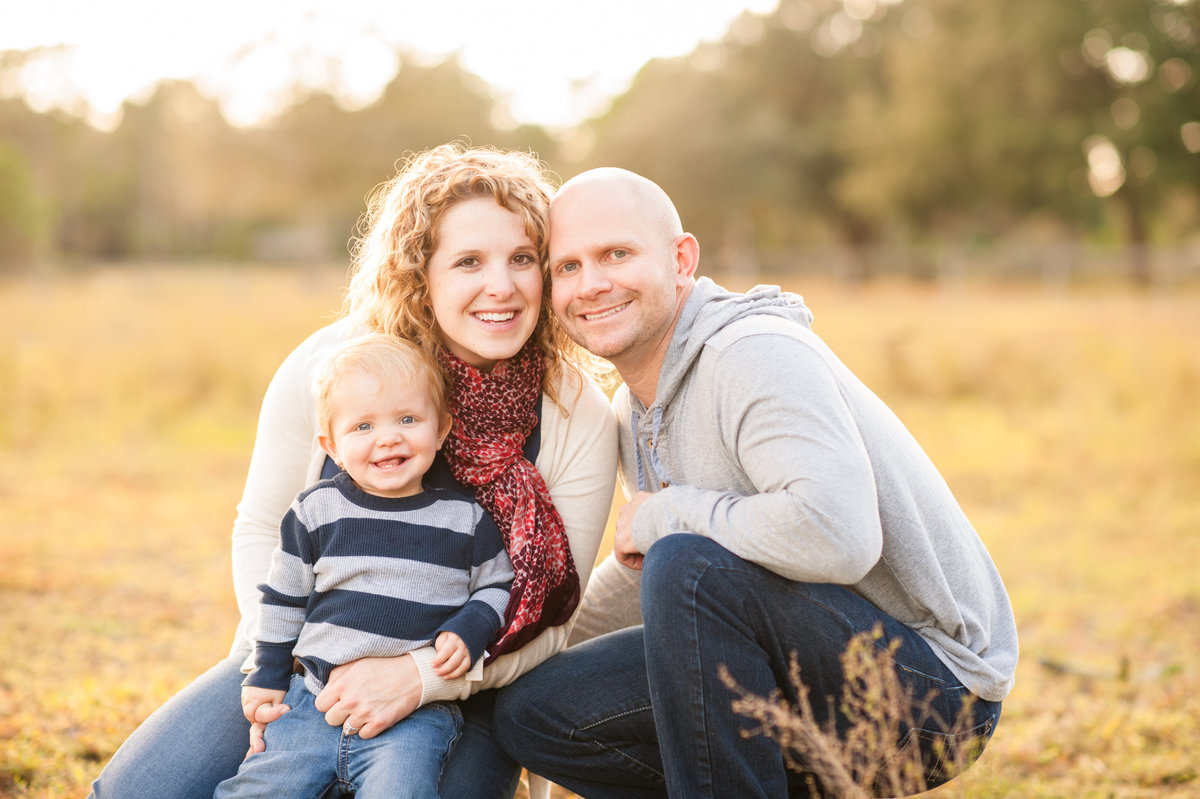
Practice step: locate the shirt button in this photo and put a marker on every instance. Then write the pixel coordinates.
(650, 442)
(664, 484)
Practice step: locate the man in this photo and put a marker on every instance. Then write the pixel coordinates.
(780, 507)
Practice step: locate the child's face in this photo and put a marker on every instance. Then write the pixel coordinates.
(384, 439)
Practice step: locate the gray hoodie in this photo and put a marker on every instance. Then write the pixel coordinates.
(762, 440)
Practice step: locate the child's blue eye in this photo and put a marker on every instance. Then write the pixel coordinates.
(408, 420)
(363, 426)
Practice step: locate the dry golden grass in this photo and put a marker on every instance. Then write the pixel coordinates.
(1066, 424)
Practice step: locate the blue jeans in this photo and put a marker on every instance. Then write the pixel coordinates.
(642, 712)
(199, 737)
(306, 757)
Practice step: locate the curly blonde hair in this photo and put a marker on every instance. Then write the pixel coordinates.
(389, 282)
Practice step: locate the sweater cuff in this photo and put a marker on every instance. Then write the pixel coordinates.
(650, 520)
(433, 687)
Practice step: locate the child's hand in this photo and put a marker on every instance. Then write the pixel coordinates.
(261, 706)
(453, 658)
(270, 699)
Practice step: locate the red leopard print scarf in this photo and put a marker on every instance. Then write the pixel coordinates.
(494, 412)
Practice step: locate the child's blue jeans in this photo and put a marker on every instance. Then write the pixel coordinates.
(305, 756)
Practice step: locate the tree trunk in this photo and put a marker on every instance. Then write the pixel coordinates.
(1139, 258)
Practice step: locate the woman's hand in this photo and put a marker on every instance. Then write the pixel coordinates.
(626, 552)
(371, 694)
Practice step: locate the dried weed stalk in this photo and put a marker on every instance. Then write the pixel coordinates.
(876, 754)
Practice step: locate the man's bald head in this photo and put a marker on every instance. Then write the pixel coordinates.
(618, 187)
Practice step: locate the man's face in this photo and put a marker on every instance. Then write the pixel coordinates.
(615, 282)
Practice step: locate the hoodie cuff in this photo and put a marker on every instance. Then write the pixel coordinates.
(648, 522)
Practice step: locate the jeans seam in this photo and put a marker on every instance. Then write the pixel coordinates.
(607, 719)
(576, 734)
(343, 759)
(704, 769)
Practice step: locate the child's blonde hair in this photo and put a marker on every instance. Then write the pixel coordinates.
(386, 358)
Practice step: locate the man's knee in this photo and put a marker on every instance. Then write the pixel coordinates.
(672, 554)
(691, 582)
(675, 564)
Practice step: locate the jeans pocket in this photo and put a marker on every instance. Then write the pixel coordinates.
(940, 755)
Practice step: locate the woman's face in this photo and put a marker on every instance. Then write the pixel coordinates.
(485, 282)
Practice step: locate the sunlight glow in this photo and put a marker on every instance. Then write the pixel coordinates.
(1190, 133)
(1126, 65)
(1106, 173)
(1175, 74)
(553, 63)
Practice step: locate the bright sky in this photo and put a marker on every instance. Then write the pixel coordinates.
(555, 62)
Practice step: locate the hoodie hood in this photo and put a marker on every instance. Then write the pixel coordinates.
(709, 309)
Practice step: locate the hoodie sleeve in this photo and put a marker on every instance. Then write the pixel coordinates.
(798, 495)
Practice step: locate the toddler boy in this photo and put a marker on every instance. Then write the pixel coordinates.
(371, 563)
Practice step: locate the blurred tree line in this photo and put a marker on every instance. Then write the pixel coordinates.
(870, 127)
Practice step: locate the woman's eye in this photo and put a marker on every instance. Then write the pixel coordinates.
(469, 262)
(524, 258)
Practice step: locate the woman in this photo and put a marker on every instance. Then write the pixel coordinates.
(452, 260)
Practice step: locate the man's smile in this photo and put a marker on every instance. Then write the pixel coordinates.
(598, 315)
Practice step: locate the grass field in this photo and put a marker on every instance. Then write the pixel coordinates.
(1067, 425)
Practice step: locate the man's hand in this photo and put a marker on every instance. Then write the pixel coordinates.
(372, 694)
(626, 552)
(453, 658)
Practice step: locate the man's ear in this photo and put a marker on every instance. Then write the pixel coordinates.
(687, 256)
(330, 448)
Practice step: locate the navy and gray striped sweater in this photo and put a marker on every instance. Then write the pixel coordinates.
(356, 575)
